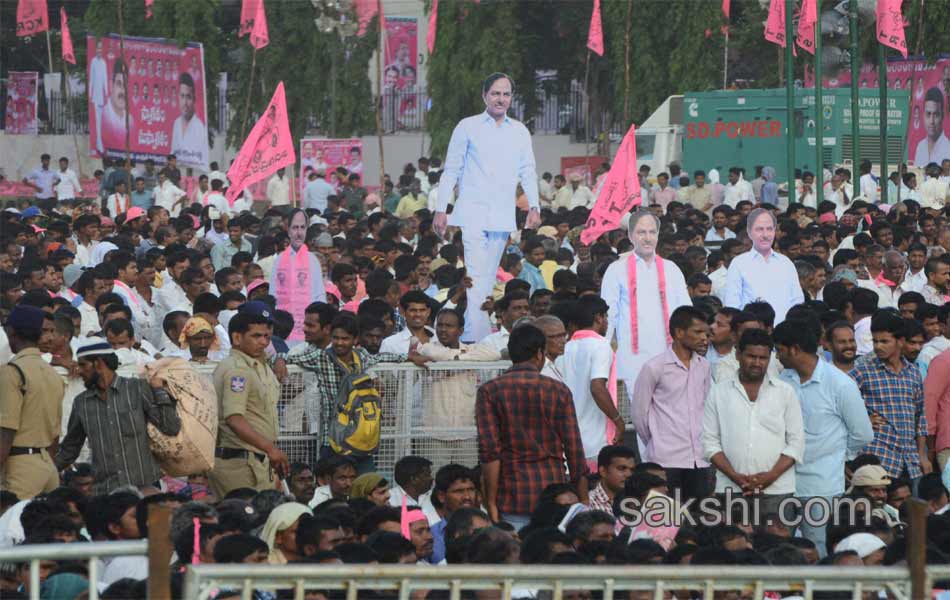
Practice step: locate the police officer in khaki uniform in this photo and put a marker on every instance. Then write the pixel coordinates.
(247, 454)
(31, 407)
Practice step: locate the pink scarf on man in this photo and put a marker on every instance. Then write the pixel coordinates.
(292, 286)
(584, 334)
(632, 285)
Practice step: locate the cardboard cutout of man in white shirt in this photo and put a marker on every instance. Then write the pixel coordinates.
(652, 326)
(488, 155)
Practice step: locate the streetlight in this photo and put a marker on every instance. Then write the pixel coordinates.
(335, 15)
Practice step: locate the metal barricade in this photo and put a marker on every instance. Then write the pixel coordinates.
(546, 581)
(91, 552)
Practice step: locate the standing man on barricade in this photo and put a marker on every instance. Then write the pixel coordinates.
(487, 156)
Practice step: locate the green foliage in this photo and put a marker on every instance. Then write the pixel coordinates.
(303, 58)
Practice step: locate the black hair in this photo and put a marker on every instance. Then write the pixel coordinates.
(755, 337)
(525, 343)
(491, 79)
(347, 322)
(684, 316)
(888, 322)
(236, 547)
(796, 332)
(242, 322)
(608, 453)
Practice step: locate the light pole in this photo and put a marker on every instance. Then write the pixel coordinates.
(335, 15)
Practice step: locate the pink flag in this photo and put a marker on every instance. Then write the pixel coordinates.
(775, 26)
(259, 36)
(68, 54)
(890, 25)
(595, 35)
(433, 22)
(248, 12)
(365, 11)
(620, 192)
(148, 8)
(806, 26)
(32, 17)
(268, 147)
(725, 8)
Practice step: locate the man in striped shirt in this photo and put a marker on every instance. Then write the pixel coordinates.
(112, 414)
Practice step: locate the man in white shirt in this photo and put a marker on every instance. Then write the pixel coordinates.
(510, 307)
(738, 189)
(761, 273)
(934, 191)
(935, 147)
(868, 183)
(317, 191)
(433, 195)
(42, 179)
(278, 189)
(98, 89)
(639, 314)
(218, 200)
(556, 335)
(169, 196)
(546, 190)
(189, 135)
(415, 308)
(587, 364)
(120, 201)
(916, 277)
(413, 476)
(752, 429)
(67, 184)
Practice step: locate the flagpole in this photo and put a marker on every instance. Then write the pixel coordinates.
(819, 121)
(725, 60)
(790, 96)
(125, 79)
(910, 97)
(379, 90)
(587, 111)
(626, 69)
(49, 51)
(247, 105)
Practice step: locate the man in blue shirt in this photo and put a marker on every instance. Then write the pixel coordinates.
(530, 267)
(317, 191)
(488, 155)
(454, 489)
(836, 422)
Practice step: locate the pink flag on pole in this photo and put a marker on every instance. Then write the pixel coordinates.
(68, 54)
(365, 11)
(890, 25)
(595, 35)
(148, 8)
(248, 12)
(775, 26)
(433, 23)
(725, 8)
(268, 147)
(620, 192)
(806, 26)
(259, 36)
(32, 17)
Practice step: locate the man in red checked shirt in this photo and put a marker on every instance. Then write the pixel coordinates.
(526, 428)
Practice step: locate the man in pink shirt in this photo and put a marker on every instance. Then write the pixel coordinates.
(668, 405)
(937, 407)
(665, 194)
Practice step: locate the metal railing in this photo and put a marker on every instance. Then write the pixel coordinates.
(91, 552)
(554, 582)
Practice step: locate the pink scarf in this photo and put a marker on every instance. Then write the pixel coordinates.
(632, 285)
(881, 279)
(407, 518)
(585, 334)
(292, 286)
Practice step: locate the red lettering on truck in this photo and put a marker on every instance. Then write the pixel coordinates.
(733, 129)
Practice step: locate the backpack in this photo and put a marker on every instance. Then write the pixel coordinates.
(356, 429)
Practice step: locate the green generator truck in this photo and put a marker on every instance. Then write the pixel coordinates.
(746, 128)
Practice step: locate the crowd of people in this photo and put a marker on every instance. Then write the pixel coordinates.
(776, 355)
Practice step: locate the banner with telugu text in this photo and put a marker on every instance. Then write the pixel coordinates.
(166, 107)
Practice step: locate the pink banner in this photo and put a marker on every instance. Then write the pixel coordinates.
(595, 33)
(890, 25)
(68, 54)
(267, 148)
(365, 11)
(620, 192)
(928, 128)
(401, 53)
(21, 103)
(433, 25)
(725, 8)
(259, 35)
(32, 17)
(248, 12)
(327, 154)
(165, 105)
(806, 26)
(775, 26)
